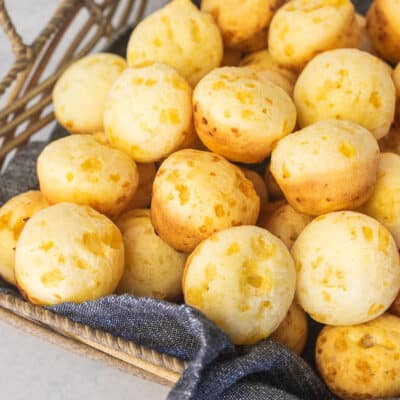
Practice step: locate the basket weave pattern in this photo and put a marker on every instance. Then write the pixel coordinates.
(27, 88)
(28, 84)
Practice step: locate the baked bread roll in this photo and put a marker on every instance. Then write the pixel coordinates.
(78, 169)
(178, 35)
(80, 93)
(268, 69)
(197, 193)
(262, 60)
(239, 116)
(243, 23)
(152, 267)
(13, 216)
(328, 166)
(383, 25)
(347, 84)
(292, 332)
(384, 204)
(361, 361)
(68, 252)
(348, 268)
(285, 223)
(148, 112)
(301, 29)
(396, 80)
(243, 279)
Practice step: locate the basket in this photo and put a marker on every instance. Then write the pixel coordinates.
(25, 108)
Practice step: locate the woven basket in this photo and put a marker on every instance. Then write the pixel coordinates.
(26, 108)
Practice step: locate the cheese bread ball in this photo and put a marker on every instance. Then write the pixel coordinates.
(347, 84)
(78, 169)
(348, 269)
(395, 307)
(384, 204)
(391, 142)
(13, 216)
(152, 267)
(178, 35)
(267, 68)
(383, 25)
(148, 112)
(361, 361)
(328, 166)
(286, 223)
(68, 252)
(142, 197)
(243, 23)
(396, 80)
(267, 209)
(197, 193)
(292, 332)
(80, 93)
(262, 60)
(303, 28)
(243, 279)
(240, 116)
(258, 183)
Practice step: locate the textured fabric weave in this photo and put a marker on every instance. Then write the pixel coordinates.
(217, 369)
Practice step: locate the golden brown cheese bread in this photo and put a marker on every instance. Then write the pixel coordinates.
(239, 116)
(79, 169)
(383, 25)
(152, 267)
(384, 204)
(361, 361)
(347, 84)
(68, 252)
(396, 80)
(258, 183)
(243, 279)
(286, 223)
(268, 69)
(303, 28)
(292, 332)
(197, 193)
(14, 214)
(348, 268)
(80, 93)
(148, 112)
(328, 166)
(178, 35)
(243, 23)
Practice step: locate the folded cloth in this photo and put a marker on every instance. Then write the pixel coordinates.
(216, 368)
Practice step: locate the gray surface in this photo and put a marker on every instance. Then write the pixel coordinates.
(31, 368)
